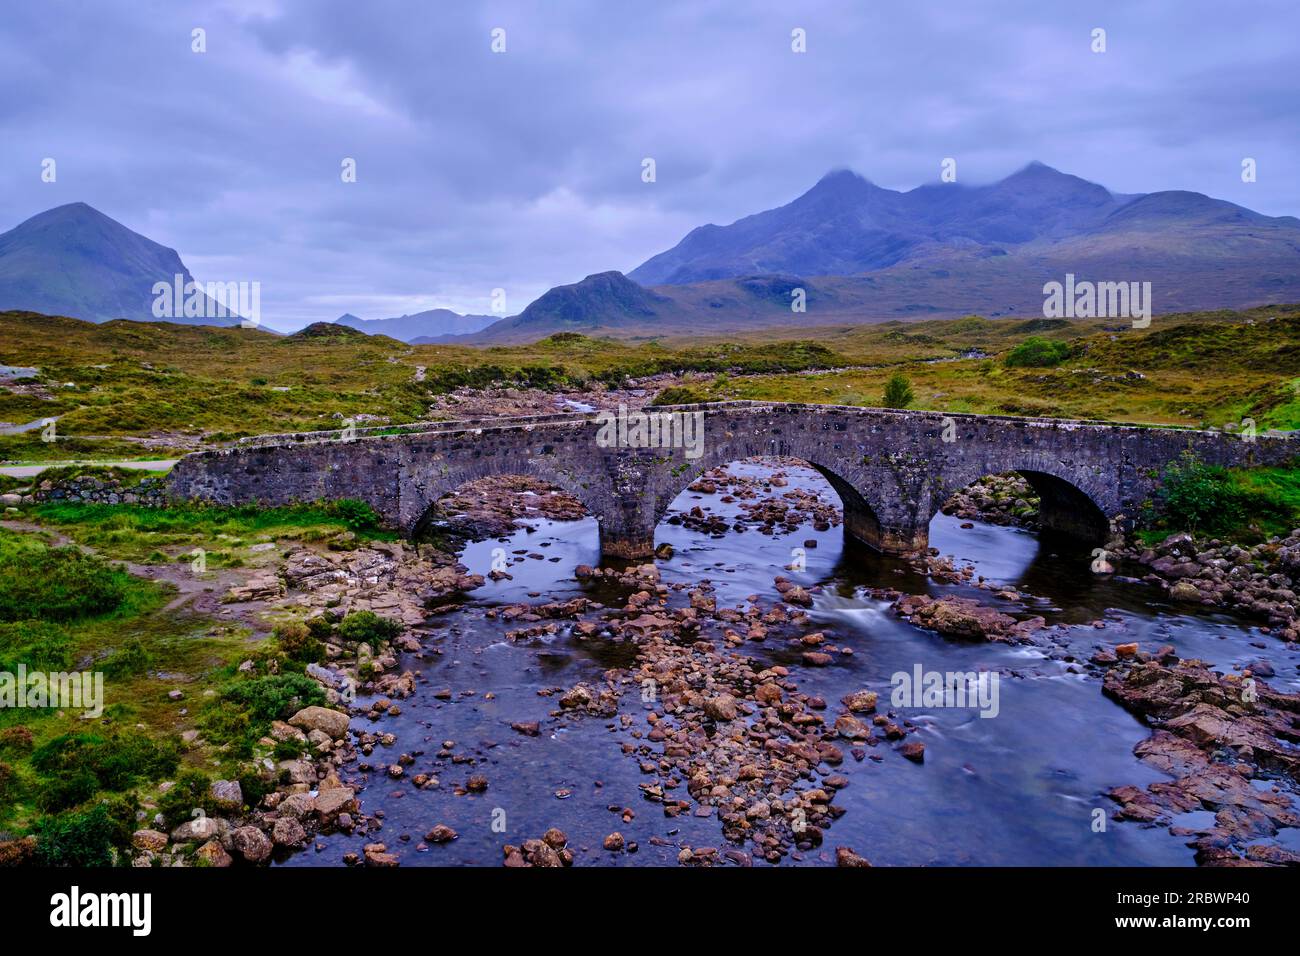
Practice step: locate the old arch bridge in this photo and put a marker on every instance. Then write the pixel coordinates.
(892, 469)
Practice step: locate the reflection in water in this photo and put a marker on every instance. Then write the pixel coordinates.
(1017, 789)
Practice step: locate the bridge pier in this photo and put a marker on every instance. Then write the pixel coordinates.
(863, 527)
(862, 524)
(628, 546)
(902, 540)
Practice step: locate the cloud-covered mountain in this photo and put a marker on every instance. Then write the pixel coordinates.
(432, 325)
(73, 260)
(846, 226)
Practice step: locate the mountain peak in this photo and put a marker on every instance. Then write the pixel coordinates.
(72, 214)
(76, 261)
(842, 182)
(1041, 172)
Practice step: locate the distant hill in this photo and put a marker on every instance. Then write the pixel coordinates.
(607, 300)
(75, 261)
(433, 325)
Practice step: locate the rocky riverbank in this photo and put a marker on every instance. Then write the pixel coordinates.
(1225, 740)
(494, 506)
(764, 505)
(1259, 580)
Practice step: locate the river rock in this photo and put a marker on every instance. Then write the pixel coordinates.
(846, 857)
(330, 803)
(331, 722)
(150, 840)
(213, 853)
(199, 828)
(250, 844)
(226, 794)
(721, 707)
(287, 832)
(861, 702)
(441, 834)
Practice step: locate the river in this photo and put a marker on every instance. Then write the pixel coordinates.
(1016, 789)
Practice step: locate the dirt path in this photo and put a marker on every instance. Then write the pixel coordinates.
(31, 471)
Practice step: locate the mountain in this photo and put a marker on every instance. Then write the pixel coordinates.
(605, 300)
(861, 254)
(75, 261)
(433, 325)
(847, 226)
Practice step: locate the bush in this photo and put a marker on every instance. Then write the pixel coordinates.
(357, 516)
(273, 696)
(368, 627)
(1205, 499)
(80, 839)
(8, 783)
(321, 626)
(225, 723)
(81, 764)
(38, 644)
(190, 792)
(298, 642)
(66, 791)
(16, 739)
(57, 584)
(1037, 352)
(131, 658)
(898, 392)
(679, 395)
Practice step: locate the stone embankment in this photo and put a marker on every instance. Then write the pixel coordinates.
(91, 489)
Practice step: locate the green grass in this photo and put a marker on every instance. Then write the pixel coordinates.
(127, 478)
(1280, 489)
(149, 535)
(56, 584)
(57, 769)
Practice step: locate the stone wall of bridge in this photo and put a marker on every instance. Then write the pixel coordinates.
(892, 469)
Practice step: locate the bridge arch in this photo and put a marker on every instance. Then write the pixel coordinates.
(1072, 501)
(426, 484)
(842, 471)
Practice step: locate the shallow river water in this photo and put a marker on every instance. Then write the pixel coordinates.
(1019, 788)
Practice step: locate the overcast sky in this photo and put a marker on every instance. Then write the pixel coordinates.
(522, 170)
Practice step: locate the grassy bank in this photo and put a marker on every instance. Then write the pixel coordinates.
(69, 778)
(1240, 505)
(153, 535)
(76, 783)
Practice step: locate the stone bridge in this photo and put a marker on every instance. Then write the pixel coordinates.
(892, 469)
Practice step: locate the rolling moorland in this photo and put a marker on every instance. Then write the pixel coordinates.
(153, 390)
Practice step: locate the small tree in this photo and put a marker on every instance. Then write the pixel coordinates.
(1037, 352)
(898, 392)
